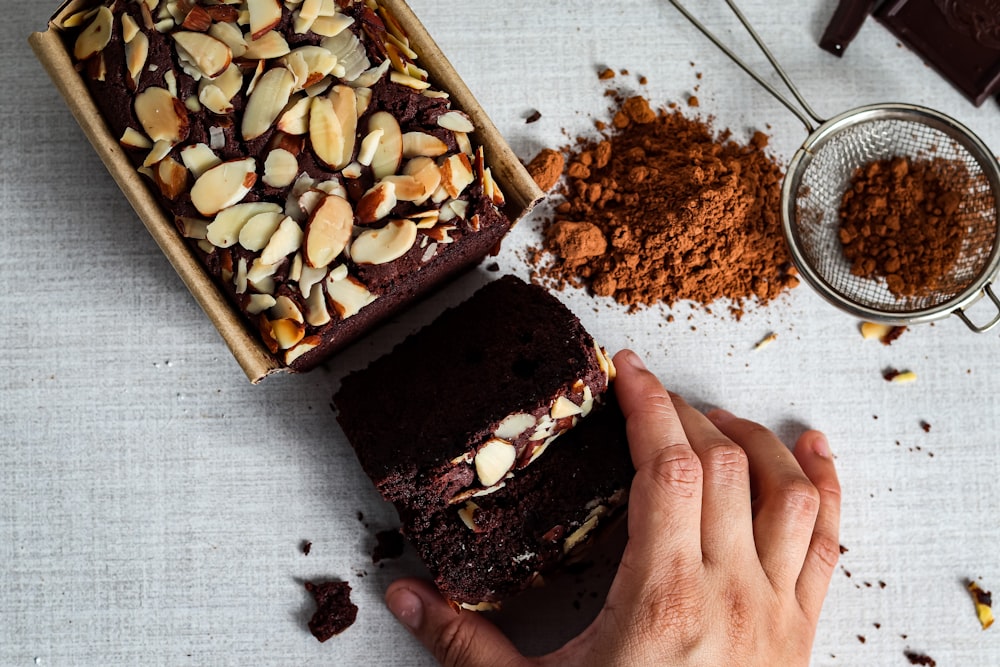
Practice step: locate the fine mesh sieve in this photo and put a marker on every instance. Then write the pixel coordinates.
(821, 171)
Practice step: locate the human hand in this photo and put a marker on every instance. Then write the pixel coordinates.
(732, 543)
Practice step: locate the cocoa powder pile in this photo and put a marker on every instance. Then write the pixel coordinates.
(661, 209)
(897, 222)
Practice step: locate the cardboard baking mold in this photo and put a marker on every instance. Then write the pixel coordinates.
(254, 358)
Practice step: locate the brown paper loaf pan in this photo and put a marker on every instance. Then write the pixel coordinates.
(251, 354)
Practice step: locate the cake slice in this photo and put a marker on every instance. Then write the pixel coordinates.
(463, 406)
(489, 548)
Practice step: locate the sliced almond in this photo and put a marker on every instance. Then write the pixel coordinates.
(467, 514)
(209, 55)
(218, 93)
(389, 153)
(370, 77)
(159, 151)
(350, 52)
(268, 46)
(377, 203)
(317, 313)
(332, 127)
(605, 362)
(494, 460)
(286, 309)
(347, 296)
(260, 274)
(231, 36)
(79, 18)
(172, 177)
(264, 15)
(258, 303)
(456, 121)
(240, 279)
(129, 28)
(408, 81)
(285, 240)
(309, 64)
(199, 158)
(307, 344)
(225, 230)
(133, 138)
(198, 19)
(287, 332)
(328, 231)
(514, 425)
(563, 407)
(310, 277)
(267, 101)
(136, 55)
(380, 246)
(331, 26)
(581, 533)
(96, 36)
(192, 228)
(369, 145)
(223, 185)
(456, 174)
(257, 231)
(421, 143)
(163, 116)
(280, 168)
(426, 171)
(295, 119)
(306, 15)
(408, 188)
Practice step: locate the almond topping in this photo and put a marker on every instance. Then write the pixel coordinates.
(258, 230)
(389, 153)
(377, 203)
(309, 64)
(136, 54)
(231, 36)
(264, 15)
(494, 460)
(285, 240)
(468, 516)
(456, 174)
(280, 168)
(95, 37)
(197, 19)
(332, 127)
(456, 121)
(563, 407)
(381, 246)
(307, 344)
(286, 309)
(223, 185)
(259, 303)
(209, 55)
(426, 171)
(133, 138)
(163, 116)
(266, 47)
(347, 296)
(199, 158)
(421, 143)
(328, 231)
(514, 425)
(267, 101)
(317, 314)
(172, 177)
(295, 120)
(225, 230)
(287, 332)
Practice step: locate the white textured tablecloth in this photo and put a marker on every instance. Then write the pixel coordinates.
(153, 502)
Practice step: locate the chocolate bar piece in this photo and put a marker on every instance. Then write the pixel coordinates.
(958, 38)
(847, 20)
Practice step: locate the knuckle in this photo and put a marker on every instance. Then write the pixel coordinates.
(454, 643)
(680, 469)
(798, 496)
(726, 459)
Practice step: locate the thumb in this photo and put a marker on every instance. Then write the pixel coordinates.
(457, 639)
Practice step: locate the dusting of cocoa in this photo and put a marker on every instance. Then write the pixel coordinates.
(684, 213)
(898, 222)
(546, 168)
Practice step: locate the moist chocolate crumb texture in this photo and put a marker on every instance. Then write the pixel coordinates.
(456, 410)
(315, 170)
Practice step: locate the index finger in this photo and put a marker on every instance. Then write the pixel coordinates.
(665, 500)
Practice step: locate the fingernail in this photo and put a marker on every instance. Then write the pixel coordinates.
(634, 360)
(407, 607)
(821, 446)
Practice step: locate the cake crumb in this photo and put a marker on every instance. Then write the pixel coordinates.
(606, 73)
(693, 101)
(534, 116)
(306, 547)
(334, 610)
(389, 545)
(919, 658)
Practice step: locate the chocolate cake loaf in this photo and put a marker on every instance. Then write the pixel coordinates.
(317, 173)
(474, 397)
(458, 427)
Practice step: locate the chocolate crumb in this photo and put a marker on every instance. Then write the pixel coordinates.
(925, 426)
(606, 73)
(334, 610)
(919, 658)
(843, 550)
(881, 584)
(861, 638)
(306, 547)
(492, 267)
(534, 116)
(390, 545)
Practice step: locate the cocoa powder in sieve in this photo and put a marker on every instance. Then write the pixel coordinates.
(897, 222)
(662, 209)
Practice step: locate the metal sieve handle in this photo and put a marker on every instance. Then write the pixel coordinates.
(988, 290)
(805, 113)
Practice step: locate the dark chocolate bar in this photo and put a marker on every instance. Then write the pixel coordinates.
(847, 20)
(958, 38)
